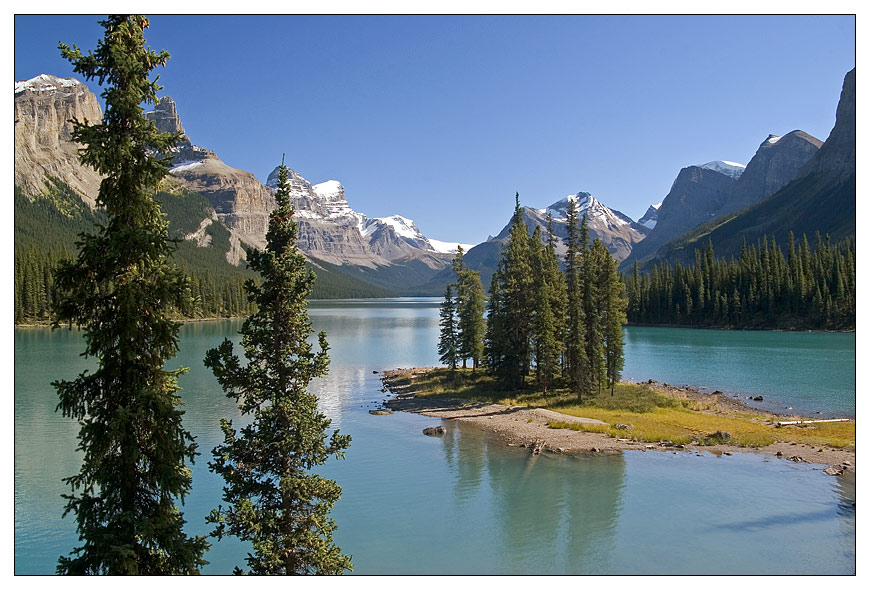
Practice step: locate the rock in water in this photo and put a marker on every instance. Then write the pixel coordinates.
(434, 431)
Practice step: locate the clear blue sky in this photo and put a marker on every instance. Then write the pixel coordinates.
(442, 119)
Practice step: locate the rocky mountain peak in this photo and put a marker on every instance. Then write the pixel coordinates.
(732, 169)
(837, 155)
(49, 83)
(44, 108)
(776, 163)
(165, 116)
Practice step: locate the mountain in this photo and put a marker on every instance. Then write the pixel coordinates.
(616, 230)
(44, 148)
(820, 199)
(55, 195)
(337, 240)
(706, 192)
(696, 196)
(331, 231)
(651, 216)
(331, 234)
(776, 163)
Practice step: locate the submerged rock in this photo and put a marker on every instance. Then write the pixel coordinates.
(434, 431)
(380, 412)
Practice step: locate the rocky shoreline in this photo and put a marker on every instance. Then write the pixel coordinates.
(526, 427)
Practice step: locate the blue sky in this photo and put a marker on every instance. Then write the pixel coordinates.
(443, 119)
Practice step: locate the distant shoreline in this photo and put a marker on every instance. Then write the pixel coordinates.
(47, 324)
(745, 329)
(522, 426)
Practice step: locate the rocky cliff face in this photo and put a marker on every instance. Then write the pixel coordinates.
(165, 116)
(820, 198)
(44, 106)
(696, 197)
(837, 155)
(702, 193)
(775, 164)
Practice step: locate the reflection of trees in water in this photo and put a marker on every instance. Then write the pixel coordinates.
(594, 504)
(471, 447)
(547, 513)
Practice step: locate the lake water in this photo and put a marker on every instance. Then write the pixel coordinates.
(465, 504)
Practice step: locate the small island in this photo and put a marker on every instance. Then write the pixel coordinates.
(636, 416)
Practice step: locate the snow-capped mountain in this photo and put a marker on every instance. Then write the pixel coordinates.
(331, 230)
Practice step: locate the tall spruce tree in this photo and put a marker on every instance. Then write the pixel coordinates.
(613, 305)
(592, 298)
(275, 501)
(496, 328)
(575, 370)
(470, 306)
(516, 303)
(448, 346)
(547, 348)
(120, 289)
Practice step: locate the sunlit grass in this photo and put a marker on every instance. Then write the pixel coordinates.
(653, 416)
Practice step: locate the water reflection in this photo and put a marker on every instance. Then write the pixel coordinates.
(550, 513)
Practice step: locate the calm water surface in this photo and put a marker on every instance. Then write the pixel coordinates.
(465, 504)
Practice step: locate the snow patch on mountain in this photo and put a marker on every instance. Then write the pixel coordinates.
(403, 226)
(732, 169)
(330, 190)
(651, 216)
(186, 165)
(45, 83)
(448, 247)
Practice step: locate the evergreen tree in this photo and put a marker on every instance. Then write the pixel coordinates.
(516, 303)
(496, 329)
(592, 298)
(614, 303)
(547, 348)
(448, 348)
(575, 370)
(276, 501)
(762, 288)
(120, 289)
(470, 305)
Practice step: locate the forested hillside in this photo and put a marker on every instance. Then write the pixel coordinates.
(805, 287)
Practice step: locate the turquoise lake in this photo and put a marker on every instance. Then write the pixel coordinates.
(465, 504)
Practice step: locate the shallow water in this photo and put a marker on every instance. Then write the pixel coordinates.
(464, 503)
